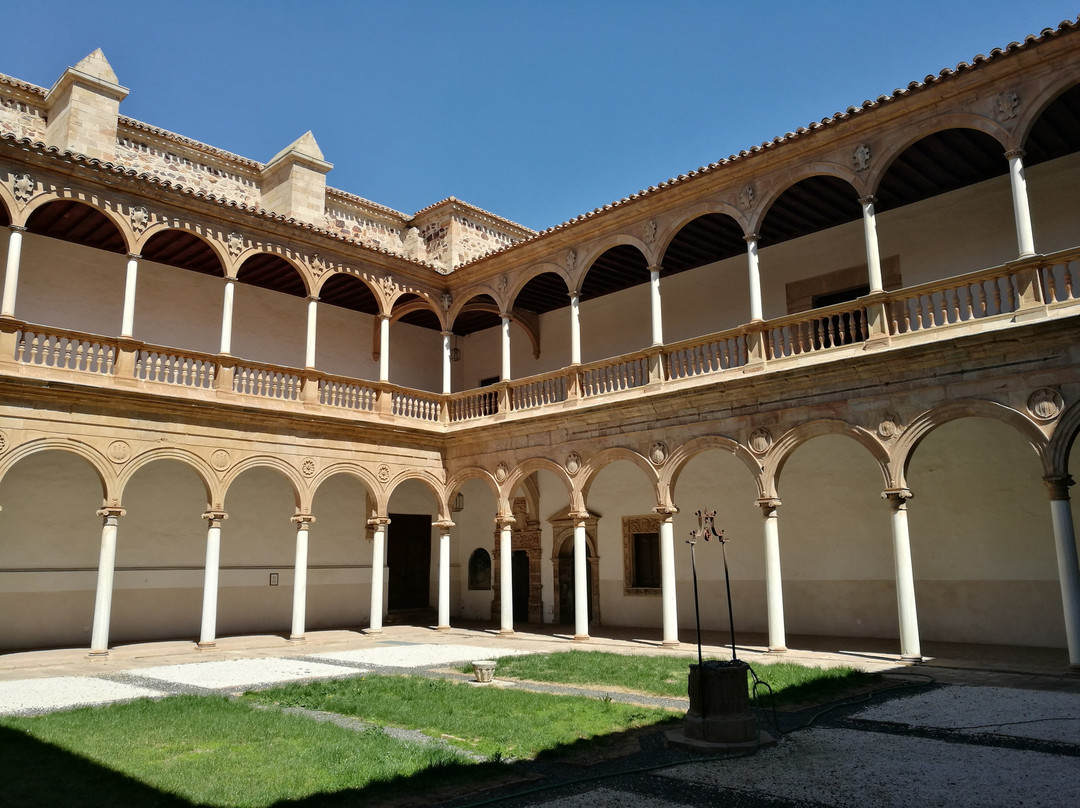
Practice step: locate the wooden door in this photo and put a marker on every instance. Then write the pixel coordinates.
(408, 560)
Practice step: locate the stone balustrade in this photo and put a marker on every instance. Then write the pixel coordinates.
(994, 297)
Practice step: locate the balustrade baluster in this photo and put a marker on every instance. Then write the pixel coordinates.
(1049, 284)
(1069, 270)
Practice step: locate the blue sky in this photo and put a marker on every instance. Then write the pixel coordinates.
(536, 111)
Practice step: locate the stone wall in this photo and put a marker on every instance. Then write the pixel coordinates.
(21, 118)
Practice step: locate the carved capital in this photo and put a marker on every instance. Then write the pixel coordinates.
(502, 521)
(17, 228)
(443, 524)
(751, 238)
(869, 199)
(378, 520)
(1057, 485)
(665, 510)
(215, 516)
(302, 520)
(897, 497)
(768, 505)
(111, 512)
(1011, 153)
(578, 517)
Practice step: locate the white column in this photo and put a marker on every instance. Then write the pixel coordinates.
(581, 580)
(774, 591)
(1068, 566)
(444, 575)
(312, 331)
(208, 631)
(299, 599)
(1025, 237)
(755, 277)
(669, 606)
(99, 639)
(655, 306)
(505, 348)
(384, 348)
(378, 557)
(227, 317)
(127, 322)
(506, 577)
(447, 336)
(905, 580)
(575, 329)
(873, 254)
(11, 274)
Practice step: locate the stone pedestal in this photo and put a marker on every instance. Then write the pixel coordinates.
(719, 717)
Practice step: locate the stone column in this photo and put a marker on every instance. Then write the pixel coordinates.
(755, 277)
(127, 322)
(506, 575)
(575, 329)
(1025, 237)
(774, 586)
(446, 338)
(581, 578)
(378, 561)
(905, 580)
(384, 348)
(1068, 567)
(299, 599)
(312, 331)
(655, 306)
(208, 631)
(99, 640)
(11, 274)
(227, 317)
(669, 606)
(444, 526)
(505, 375)
(873, 255)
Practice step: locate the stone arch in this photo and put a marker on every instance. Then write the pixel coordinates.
(434, 486)
(1063, 440)
(245, 260)
(924, 424)
(8, 206)
(592, 467)
(674, 465)
(366, 478)
(267, 461)
(817, 176)
(806, 172)
(791, 440)
(461, 477)
(595, 250)
(162, 227)
(202, 469)
(343, 273)
(535, 271)
(1046, 94)
(522, 470)
(693, 212)
(110, 490)
(34, 209)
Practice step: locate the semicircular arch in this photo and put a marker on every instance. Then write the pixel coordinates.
(781, 451)
(101, 466)
(207, 476)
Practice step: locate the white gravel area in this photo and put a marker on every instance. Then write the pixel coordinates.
(1041, 715)
(841, 767)
(418, 656)
(611, 798)
(62, 692)
(239, 673)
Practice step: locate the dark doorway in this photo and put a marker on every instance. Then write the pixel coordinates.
(408, 560)
(520, 588)
(566, 583)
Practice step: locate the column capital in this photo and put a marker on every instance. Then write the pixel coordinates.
(1011, 153)
(666, 511)
(446, 333)
(215, 516)
(443, 524)
(228, 279)
(578, 517)
(768, 505)
(897, 497)
(312, 298)
(302, 519)
(869, 199)
(751, 238)
(376, 521)
(111, 512)
(573, 294)
(505, 521)
(134, 256)
(1058, 486)
(18, 228)
(656, 268)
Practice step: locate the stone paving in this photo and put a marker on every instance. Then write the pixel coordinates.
(998, 727)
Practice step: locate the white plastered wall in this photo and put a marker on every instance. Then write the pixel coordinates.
(474, 527)
(339, 556)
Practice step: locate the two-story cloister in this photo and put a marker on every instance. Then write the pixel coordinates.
(238, 400)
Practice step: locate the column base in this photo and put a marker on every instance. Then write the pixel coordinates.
(911, 659)
(505, 632)
(98, 654)
(778, 649)
(300, 638)
(582, 638)
(670, 644)
(372, 631)
(442, 628)
(206, 646)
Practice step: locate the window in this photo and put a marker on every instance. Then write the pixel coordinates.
(480, 569)
(641, 555)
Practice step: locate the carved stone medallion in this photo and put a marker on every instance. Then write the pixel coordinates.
(220, 459)
(889, 426)
(1045, 404)
(571, 260)
(760, 440)
(307, 468)
(384, 473)
(119, 451)
(140, 218)
(860, 158)
(1005, 106)
(746, 197)
(3, 443)
(23, 186)
(573, 463)
(658, 453)
(501, 472)
(235, 243)
(650, 231)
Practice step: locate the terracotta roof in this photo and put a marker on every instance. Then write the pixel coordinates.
(453, 200)
(914, 86)
(22, 85)
(366, 202)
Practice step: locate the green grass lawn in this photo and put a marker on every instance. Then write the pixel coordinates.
(667, 676)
